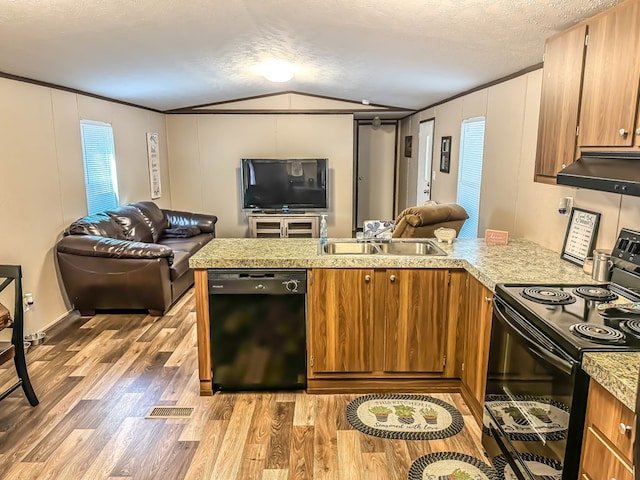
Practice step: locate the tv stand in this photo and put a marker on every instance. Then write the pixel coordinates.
(275, 224)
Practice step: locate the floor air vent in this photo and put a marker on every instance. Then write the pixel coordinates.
(170, 412)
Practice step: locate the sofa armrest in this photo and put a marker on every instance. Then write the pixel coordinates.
(206, 223)
(94, 246)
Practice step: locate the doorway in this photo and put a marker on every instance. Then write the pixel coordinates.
(375, 172)
(425, 157)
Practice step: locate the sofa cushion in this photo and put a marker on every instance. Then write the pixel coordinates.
(99, 224)
(190, 245)
(154, 217)
(133, 223)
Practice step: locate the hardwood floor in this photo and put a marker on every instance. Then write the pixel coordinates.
(97, 378)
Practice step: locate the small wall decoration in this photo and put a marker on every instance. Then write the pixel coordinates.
(408, 140)
(445, 154)
(580, 239)
(153, 153)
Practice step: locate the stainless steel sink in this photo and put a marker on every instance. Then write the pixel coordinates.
(410, 248)
(394, 247)
(349, 248)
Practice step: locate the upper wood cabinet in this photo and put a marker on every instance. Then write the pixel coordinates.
(590, 91)
(611, 78)
(560, 102)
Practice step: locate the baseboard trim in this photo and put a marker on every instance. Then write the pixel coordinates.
(375, 385)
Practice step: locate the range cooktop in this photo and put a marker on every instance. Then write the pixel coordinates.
(578, 317)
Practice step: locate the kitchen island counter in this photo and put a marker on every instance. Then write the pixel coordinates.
(521, 261)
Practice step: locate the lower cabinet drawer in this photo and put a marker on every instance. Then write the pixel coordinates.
(611, 418)
(600, 461)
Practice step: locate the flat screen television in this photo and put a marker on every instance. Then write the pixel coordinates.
(284, 184)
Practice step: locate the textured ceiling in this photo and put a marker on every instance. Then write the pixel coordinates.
(168, 54)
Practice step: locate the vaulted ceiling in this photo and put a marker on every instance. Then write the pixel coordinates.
(171, 54)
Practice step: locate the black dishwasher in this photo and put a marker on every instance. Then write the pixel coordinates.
(258, 329)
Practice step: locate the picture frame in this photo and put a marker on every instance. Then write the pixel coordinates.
(445, 154)
(580, 238)
(408, 141)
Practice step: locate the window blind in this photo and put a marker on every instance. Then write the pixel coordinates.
(98, 154)
(470, 173)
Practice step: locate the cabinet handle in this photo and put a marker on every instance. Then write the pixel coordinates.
(392, 278)
(623, 132)
(623, 429)
(367, 278)
(487, 299)
(637, 131)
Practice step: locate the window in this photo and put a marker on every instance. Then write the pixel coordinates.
(470, 173)
(98, 154)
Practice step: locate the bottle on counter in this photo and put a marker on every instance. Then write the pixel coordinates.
(324, 230)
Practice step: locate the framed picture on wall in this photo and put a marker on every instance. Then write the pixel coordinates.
(445, 154)
(408, 140)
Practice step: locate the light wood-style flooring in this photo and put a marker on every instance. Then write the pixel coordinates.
(98, 377)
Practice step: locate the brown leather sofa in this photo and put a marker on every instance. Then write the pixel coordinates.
(423, 220)
(133, 257)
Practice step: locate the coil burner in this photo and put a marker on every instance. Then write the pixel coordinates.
(598, 333)
(593, 292)
(632, 327)
(547, 296)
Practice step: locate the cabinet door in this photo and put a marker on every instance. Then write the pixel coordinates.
(301, 227)
(600, 460)
(560, 102)
(340, 315)
(611, 78)
(415, 320)
(477, 335)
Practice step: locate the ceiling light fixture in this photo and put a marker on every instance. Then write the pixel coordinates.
(365, 101)
(277, 70)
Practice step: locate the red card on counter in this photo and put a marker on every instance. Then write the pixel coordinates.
(496, 237)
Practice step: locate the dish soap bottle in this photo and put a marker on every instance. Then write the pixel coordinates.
(324, 230)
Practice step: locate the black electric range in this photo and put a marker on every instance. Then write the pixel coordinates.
(579, 318)
(536, 391)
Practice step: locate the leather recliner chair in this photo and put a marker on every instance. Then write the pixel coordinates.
(423, 220)
(134, 257)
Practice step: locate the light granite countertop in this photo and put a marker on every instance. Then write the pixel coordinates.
(521, 261)
(616, 372)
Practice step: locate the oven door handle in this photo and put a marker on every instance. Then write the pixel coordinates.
(561, 364)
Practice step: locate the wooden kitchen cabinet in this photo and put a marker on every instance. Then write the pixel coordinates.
(560, 102)
(611, 78)
(340, 315)
(475, 337)
(607, 447)
(415, 333)
(589, 94)
(378, 325)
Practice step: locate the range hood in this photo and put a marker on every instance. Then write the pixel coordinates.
(617, 172)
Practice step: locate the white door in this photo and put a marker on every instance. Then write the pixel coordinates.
(425, 156)
(376, 164)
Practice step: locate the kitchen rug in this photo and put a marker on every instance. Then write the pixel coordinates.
(540, 467)
(404, 417)
(524, 418)
(450, 466)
